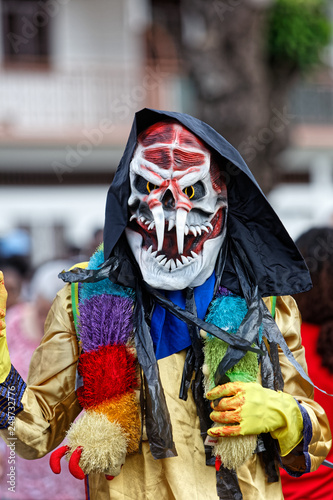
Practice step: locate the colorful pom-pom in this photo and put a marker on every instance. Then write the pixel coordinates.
(124, 409)
(107, 372)
(105, 320)
(103, 444)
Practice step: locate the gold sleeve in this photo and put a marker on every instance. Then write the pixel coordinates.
(49, 400)
(317, 434)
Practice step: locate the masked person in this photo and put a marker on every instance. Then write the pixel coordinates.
(180, 313)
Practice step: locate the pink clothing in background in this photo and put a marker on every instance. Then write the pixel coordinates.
(34, 478)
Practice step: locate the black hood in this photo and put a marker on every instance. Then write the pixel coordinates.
(251, 223)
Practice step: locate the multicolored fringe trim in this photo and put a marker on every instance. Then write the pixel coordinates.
(110, 426)
(227, 311)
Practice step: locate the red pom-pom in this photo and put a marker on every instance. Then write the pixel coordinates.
(107, 372)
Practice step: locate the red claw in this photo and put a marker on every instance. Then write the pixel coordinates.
(55, 458)
(73, 465)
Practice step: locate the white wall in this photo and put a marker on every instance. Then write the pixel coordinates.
(79, 210)
(97, 64)
(95, 31)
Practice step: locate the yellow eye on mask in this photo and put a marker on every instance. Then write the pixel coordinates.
(189, 191)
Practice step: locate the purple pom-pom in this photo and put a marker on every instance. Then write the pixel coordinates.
(105, 320)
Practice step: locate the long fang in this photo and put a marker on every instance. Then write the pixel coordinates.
(158, 215)
(181, 217)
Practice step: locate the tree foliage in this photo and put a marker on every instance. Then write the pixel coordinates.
(242, 57)
(297, 32)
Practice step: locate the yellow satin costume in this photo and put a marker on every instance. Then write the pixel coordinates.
(50, 405)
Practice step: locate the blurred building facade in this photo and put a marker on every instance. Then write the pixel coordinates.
(305, 198)
(73, 73)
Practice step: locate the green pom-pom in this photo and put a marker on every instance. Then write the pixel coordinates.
(246, 370)
(228, 312)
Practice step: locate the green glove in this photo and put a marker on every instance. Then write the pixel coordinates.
(5, 364)
(248, 408)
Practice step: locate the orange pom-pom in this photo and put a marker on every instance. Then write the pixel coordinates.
(125, 410)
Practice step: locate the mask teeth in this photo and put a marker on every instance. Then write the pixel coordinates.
(180, 228)
(171, 224)
(158, 215)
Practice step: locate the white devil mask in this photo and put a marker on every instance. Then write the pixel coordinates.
(178, 206)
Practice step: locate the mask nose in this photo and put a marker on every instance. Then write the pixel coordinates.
(168, 200)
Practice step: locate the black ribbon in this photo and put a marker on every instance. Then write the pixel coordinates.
(121, 269)
(158, 423)
(227, 485)
(193, 363)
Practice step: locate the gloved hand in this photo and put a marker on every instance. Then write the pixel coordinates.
(5, 364)
(248, 408)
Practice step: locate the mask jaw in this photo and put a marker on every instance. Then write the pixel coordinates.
(194, 273)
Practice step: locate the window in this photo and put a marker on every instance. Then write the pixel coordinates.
(25, 31)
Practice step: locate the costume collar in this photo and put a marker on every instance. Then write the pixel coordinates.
(169, 333)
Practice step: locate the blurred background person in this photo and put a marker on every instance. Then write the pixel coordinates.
(93, 243)
(316, 307)
(15, 249)
(14, 282)
(25, 327)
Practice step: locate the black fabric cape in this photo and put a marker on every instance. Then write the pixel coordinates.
(252, 223)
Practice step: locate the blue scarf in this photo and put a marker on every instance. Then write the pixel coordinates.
(169, 333)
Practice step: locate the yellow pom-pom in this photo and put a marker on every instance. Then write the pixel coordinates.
(103, 443)
(235, 450)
